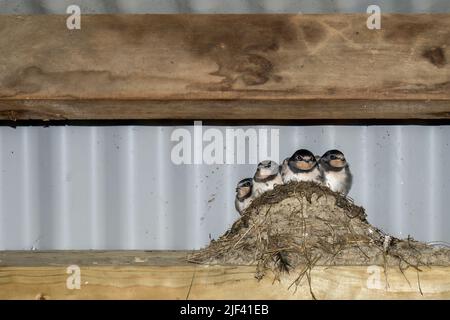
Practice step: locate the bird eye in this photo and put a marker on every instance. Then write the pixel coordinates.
(333, 157)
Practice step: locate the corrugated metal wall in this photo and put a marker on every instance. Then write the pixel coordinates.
(81, 187)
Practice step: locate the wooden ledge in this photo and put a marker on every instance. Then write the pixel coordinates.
(166, 275)
(274, 66)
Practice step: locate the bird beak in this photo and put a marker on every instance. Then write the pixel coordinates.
(304, 165)
(338, 163)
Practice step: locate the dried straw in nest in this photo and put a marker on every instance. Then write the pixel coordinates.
(302, 225)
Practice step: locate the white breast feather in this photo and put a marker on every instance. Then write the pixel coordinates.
(289, 176)
(242, 205)
(261, 187)
(335, 180)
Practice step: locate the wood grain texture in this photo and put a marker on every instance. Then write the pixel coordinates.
(225, 67)
(93, 258)
(167, 275)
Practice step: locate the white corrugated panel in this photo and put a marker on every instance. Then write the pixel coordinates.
(101, 187)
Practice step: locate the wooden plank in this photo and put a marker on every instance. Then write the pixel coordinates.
(225, 67)
(167, 275)
(93, 258)
(222, 109)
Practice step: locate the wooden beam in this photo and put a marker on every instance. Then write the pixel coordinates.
(167, 275)
(225, 67)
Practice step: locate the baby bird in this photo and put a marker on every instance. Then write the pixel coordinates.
(267, 176)
(336, 171)
(301, 166)
(244, 195)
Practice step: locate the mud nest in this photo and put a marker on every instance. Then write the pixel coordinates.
(305, 225)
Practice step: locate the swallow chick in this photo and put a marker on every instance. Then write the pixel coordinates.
(267, 176)
(336, 171)
(244, 195)
(301, 166)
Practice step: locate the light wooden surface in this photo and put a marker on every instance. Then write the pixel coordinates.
(225, 67)
(166, 275)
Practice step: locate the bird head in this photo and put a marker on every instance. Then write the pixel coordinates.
(244, 188)
(334, 158)
(266, 168)
(302, 160)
